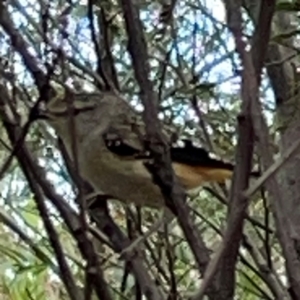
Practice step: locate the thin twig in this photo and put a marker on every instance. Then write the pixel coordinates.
(273, 169)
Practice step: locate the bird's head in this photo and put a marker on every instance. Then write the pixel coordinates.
(66, 104)
(91, 113)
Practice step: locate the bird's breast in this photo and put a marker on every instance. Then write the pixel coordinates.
(125, 179)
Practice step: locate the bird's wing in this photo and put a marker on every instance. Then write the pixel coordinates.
(193, 165)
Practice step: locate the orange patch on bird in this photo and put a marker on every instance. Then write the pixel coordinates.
(194, 176)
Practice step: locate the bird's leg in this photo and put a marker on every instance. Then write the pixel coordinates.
(165, 218)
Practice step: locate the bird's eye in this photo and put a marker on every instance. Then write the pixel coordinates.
(112, 143)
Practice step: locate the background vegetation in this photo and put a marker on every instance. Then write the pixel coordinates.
(209, 89)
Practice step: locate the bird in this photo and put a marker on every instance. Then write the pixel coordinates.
(110, 152)
(192, 165)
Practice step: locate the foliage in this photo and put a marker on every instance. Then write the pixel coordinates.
(196, 72)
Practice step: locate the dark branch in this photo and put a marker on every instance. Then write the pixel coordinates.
(163, 174)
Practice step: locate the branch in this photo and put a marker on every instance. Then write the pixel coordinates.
(105, 22)
(226, 257)
(25, 160)
(94, 38)
(66, 273)
(272, 168)
(264, 273)
(163, 174)
(68, 215)
(21, 46)
(118, 240)
(37, 179)
(285, 230)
